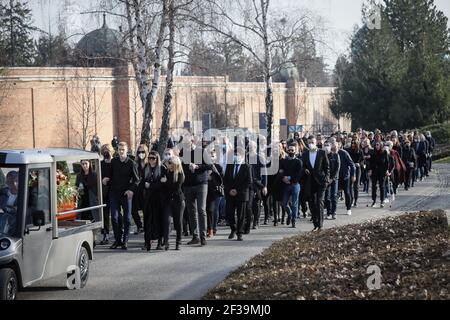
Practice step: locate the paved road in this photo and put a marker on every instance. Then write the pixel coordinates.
(189, 273)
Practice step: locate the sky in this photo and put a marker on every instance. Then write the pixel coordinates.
(339, 18)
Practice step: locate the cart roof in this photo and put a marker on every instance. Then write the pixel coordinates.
(32, 156)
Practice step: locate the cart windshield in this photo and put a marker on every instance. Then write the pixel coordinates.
(9, 194)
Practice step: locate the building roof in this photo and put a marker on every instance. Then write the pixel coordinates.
(100, 48)
(35, 156)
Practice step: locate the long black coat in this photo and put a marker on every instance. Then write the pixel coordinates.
(320, 174)
(241, 183)
(153, 199)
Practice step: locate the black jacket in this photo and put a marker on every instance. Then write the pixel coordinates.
(347, 167)
(335, 165)
(409, 158)
(215, 182)
(379, 163)
(241, 183)
(320, 174)
(292, 168)
(200, 175)
(123, 176)
(172, 190)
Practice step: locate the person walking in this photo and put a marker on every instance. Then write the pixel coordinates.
(107, 152)
(153, 202)
(410, 161)
(138, 199)
(173, 198)
(347, 176)
(86, 182)
(357, 157)
(331, 193)
(215, 191)
(123, 180)
(237, 182)
(379, 166)
(316, 169)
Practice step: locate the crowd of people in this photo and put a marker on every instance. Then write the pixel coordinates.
(204, 184)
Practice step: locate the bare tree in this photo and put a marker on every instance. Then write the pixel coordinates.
(86, 115)
(255, 26)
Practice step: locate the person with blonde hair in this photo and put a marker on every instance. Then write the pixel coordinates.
(173, 198)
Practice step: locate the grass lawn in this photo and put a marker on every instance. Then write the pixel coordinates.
(411, 252)
(444, 160)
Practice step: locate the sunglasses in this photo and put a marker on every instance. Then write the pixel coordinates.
(170, 162)
(152, 158)
(141, 152)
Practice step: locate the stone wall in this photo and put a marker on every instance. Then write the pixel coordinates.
(64, 107)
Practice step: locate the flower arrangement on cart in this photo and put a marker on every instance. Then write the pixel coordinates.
(67, 196)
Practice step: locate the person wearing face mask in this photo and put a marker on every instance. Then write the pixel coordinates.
(410, 160)
(316, 170)
(215, 190)
(379, 165)
(237, 182)
(357, 157)
(347, 176)
(138, 199)
(292, 174)
(420, 147)
(331, 192)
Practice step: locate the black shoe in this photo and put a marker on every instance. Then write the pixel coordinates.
(115, 245)
(124, 246)
(293, 223)
(232, 235)
(265, 223)
(203, 242)
(247, 232)
(254, 227)
(146, 248)
(186, 234)
(275, 224)
(166, 247)
(159, 247)
(239, 237)
(104, 242)
(193, 241)
(177, 247)
(288, 222)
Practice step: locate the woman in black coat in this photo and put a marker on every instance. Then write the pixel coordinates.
(215, 191)
(86, 183)
(154, 171)
(107, 152)
(379, 166)
(173, 198)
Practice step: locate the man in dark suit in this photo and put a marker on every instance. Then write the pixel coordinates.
(316, 170)
(237, 182)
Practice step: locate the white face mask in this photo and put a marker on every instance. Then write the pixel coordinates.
(327, 149)
(312, 146)
(142, 156)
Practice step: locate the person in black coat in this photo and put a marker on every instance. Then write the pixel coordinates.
(237, 182)
(138, 198)
(379, 170)
(153, 201)
(356, 154)
(259, 185)
(107, 152)
(123, 180)
(316, 170)
(431, 146)
(173, 199)
(215, 191)
(346, 177)
(410, 160)
(292, 175)
(86, 182)
(331, 192)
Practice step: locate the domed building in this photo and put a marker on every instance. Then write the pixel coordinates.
(101, 48)
(289, 72)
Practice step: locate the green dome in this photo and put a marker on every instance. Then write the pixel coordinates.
(100, 48)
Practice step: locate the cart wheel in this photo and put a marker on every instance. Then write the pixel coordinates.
(8, 284)
(83, 264)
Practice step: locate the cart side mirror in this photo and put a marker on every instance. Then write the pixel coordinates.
(38, 218)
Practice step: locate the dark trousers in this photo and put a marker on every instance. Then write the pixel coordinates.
(187, 228)
(175, 210)
(196, 206)
(249, 212)
(409, 177)
(106, 218)
(346, 186)
(212, 213)
(381, 181)
(256, 211)
(267, 201)
(365, 180)
(316, 205)
(355, 185)
(120, 202)
(236, 214)
(331, 197)
(135, 212)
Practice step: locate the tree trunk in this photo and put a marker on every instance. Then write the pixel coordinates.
(165, 126)
(149, 109)
(268, 71)
(269, 108)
